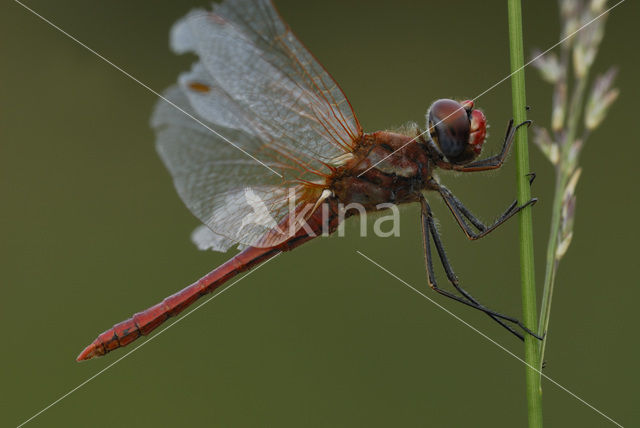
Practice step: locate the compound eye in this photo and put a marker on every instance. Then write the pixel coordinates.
(450, 127)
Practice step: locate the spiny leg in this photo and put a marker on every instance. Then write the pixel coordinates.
(431, 278)
(454, 281)
(493, 162)
(428, 228)
(460, 212)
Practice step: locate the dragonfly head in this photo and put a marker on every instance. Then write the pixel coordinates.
(457, 129)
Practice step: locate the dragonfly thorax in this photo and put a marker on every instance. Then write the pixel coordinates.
(386, 167)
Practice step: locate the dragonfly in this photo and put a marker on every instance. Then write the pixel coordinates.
(264, 148)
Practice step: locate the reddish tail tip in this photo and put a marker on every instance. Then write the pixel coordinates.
(93, 350)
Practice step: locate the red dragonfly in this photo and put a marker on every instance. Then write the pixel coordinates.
(275, 149)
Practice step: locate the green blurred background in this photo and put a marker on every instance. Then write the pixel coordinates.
(92, 231)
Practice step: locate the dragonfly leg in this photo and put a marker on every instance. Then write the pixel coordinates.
(460, 212)
(493, 162)
(429, 229)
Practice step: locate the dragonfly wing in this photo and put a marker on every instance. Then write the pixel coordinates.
(255, 58)
(234, 196)
(255, 92)
(205, 239)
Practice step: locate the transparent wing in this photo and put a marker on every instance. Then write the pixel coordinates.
(257, 87)
(205, 239)
(234, 196)
(256, 59)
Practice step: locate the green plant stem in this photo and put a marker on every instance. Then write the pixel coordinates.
(564, 169)
(575, 112)
(551, 262)
(529, 304)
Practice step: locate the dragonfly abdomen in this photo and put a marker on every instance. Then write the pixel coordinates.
(148, 320)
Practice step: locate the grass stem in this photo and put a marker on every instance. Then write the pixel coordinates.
(529, 304)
